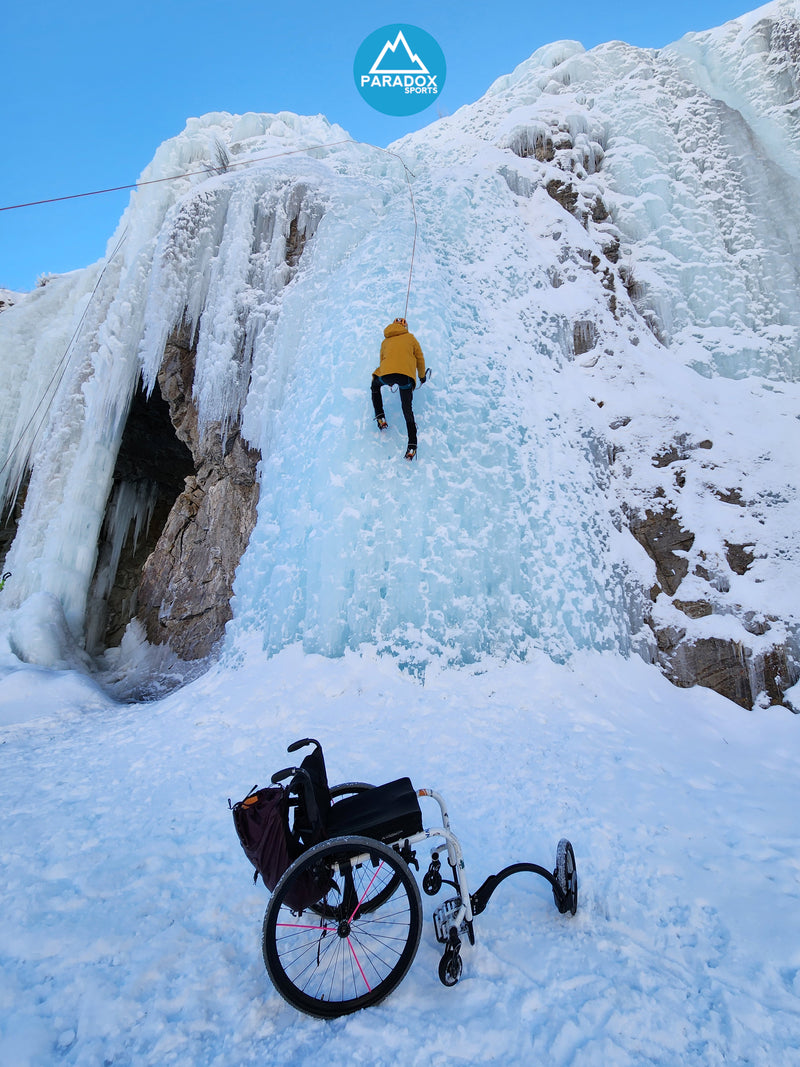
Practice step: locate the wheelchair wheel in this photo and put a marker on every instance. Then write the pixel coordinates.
(352, 947)
(567, 877)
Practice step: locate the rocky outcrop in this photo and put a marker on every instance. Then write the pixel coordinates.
(749, 670)
(666, 542)
(729, 667)
(149, 474)
(9, 521)
(187, 581)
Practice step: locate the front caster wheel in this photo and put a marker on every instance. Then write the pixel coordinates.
(567, 877)
(451, 965)
(450, 968)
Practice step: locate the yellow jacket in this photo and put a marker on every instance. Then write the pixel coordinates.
(400, 353)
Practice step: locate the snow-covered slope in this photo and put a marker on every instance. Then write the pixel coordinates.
(606, 287)
(8, 298)
(132, 929)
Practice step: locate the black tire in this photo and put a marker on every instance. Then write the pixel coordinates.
(349, 789)
(450, 967)
(567, 877)
(356, 944)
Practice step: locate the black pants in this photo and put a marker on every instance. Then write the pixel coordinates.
(406, 387)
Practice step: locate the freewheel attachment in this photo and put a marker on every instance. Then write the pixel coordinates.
(565, 876)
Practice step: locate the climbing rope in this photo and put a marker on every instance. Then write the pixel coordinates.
(245, 163)
(409, 176)
(175, 177)
(64, 361)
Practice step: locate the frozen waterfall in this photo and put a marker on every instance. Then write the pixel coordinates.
(600, 234)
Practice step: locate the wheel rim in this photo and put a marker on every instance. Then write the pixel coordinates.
(354, 946)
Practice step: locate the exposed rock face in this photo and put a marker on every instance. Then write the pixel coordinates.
(730, 669)
(151, 466)
(736, 669)
(717, 664)
(10, 521)
(187, 581)
(662, 536)
(584, 337)
(739, 557)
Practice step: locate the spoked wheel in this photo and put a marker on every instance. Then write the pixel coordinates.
(567, 877)
(355, 944)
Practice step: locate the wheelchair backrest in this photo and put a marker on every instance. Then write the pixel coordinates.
(310, 787)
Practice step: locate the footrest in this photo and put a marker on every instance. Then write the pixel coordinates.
(444, 917)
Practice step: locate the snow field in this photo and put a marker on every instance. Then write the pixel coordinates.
(133, 927)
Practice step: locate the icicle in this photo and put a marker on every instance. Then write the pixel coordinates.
(132, 505)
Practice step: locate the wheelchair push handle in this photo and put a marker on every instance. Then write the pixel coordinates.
(304, 787)
(295, 745)
(281, 776)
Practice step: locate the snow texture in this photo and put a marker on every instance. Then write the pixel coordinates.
(132, 928)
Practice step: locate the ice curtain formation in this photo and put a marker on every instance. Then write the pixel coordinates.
(606, 287)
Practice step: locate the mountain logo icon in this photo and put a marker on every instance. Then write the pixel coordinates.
(390, 66)
(399, 69)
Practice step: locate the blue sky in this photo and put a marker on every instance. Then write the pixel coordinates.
(89, 90)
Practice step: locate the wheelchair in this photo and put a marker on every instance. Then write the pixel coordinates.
(344, 921)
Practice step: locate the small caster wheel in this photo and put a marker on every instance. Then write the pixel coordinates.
(567, 877)
(432, 882)
(450, 966)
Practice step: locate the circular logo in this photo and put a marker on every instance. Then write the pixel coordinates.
(399, 69)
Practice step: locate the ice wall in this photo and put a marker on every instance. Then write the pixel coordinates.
(500, 533)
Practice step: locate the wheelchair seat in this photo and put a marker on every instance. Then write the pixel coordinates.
(387, 812)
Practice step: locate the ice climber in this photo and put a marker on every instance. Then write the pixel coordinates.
(401, 361)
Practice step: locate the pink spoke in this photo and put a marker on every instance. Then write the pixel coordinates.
(363, 895)
(361, 969)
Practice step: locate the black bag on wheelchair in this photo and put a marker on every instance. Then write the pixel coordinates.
(262, 825)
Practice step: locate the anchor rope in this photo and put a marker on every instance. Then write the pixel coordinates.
(242, 163)
(64, 361)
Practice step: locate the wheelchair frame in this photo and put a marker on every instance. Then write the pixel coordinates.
(353, 944)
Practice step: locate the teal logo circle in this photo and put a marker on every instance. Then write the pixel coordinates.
(399, 69)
